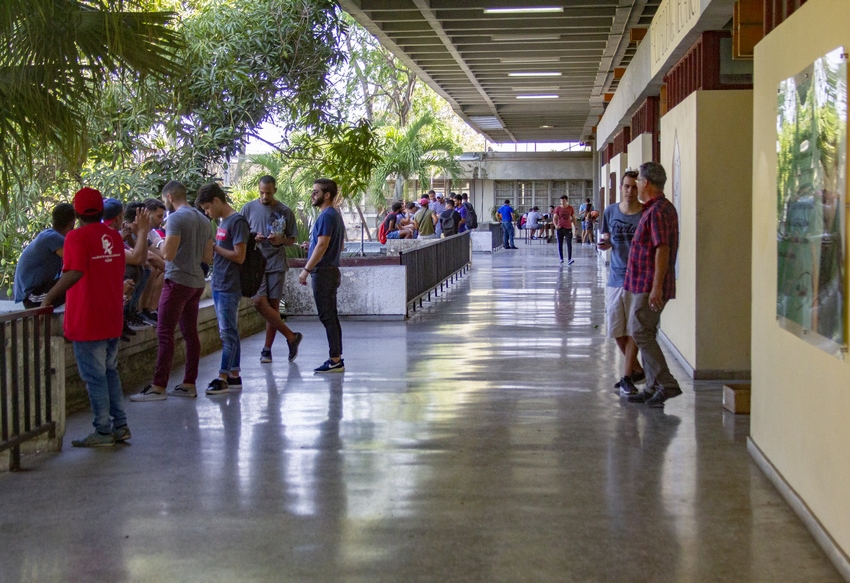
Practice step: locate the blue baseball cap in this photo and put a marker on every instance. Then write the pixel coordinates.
(112, 207)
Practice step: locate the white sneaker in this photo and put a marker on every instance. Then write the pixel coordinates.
(148, 394)
(183, 391)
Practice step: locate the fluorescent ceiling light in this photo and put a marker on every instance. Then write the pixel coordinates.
(547, 127)
(530, 60)
(535, 74)
(523, 36)
(524, 10)
(541, 96)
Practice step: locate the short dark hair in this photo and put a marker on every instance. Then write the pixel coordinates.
(131, 209)
(507, 201)
(565, 197)
(587, 200)
(431, 192)
(89, 219)
(396, 206)
(209, 192)
(267, 179)
(450, 202)
(174, 189)
(62, 216)
(328, 186)
(457, 197)
(628, 174)
(154, 204)
(654, 173)
(464, 196)
(410, 205)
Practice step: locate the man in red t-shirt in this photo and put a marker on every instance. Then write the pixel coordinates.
(563, 217)
(93, 281)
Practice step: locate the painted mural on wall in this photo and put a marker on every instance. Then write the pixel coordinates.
(811, 190)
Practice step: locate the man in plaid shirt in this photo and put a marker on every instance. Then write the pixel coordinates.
(651, 281)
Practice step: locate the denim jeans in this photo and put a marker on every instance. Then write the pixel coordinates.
(565, 235)
(133, 305)
(97, 362)
(177, 304)
(326, 281)
(227, 312)
(508, 233)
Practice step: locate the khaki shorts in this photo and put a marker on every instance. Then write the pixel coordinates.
(272, 285)
(618, 305)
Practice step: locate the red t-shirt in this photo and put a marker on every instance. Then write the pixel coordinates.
(95, 304)
(563, 217)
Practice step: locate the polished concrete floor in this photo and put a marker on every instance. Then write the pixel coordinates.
(480, 441)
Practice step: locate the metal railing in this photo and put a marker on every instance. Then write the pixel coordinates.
(26, 408)
(432, 266)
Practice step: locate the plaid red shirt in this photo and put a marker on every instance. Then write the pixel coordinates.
(659, 225)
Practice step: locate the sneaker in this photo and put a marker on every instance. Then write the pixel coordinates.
(562, 260)
(95, 440)
(148, 394)
(127, 331)
(151, 315)
(661, 395)
(135, 321)
(234, 383)
(641, 397)
(217, 387)
(638, 377)
(331, 366)
(266, 356)
(121, 433)
(627, 387)
(571, 261)
(183, 391)
(293, 346)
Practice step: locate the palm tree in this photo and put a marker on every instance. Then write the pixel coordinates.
(412, 152)
(57, 56)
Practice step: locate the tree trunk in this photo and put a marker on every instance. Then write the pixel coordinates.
(363, 222)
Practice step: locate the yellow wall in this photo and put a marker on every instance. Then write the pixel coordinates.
(640, 150)
(709, 322)
(678, 321)
(801, 395)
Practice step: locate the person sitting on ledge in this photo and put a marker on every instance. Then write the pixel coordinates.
(40, 264)
(392, 226)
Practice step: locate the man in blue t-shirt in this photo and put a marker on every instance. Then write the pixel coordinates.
(40, 264)
(619, 223)
(506, 212)
(326, 244)
(229, 250)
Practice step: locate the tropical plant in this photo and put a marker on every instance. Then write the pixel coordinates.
(57, 55)
(414, 152)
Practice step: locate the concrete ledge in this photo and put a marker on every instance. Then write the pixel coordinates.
(396, 246)
(367, 291)
(704, 374)
(482, 242)
(137, 358)
(838, 557)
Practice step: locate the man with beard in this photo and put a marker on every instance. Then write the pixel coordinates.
(326, 243)
(274, 225)
(189, 238)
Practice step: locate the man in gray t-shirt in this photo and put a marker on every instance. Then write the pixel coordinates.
(619, 222)
(275, 228)
(188, 243)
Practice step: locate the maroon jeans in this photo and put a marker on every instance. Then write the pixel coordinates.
(177, 304)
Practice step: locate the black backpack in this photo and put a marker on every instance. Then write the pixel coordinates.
(253, 269)
(471, 217)
(448, 224)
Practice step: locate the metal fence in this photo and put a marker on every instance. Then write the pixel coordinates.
(432, 266)
(26, 408)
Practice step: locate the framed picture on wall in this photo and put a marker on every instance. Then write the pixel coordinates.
(811, 184)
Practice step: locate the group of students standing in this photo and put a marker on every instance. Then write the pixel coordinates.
(432, 217)
(93, 283)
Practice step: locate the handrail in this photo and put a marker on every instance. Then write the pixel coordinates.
(26, 399)
(429, 266)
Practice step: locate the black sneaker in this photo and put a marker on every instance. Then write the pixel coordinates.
(627, 387)
(330, 366)
(136, 322)
(661, 395)
(266, 355)
(217, 387)
(641, 397)
(148, 317)
(293, 346)
(127, 332)
(234, 383)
